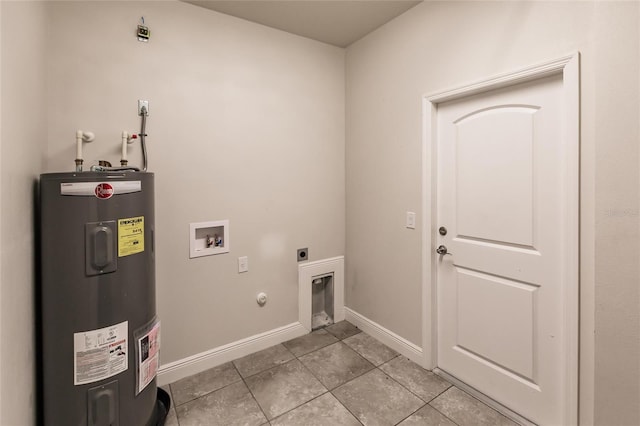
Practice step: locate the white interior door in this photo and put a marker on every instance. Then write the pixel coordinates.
(503, 199)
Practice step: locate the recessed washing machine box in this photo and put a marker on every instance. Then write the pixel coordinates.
(322, 301)
(207, 238)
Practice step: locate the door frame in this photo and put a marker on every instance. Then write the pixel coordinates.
(569, 67)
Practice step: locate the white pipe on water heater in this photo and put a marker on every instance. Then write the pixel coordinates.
(78, 145)
(80, 138)
(127, 139)
(125, 142)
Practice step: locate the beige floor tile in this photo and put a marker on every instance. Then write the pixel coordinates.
(427, 416)
(422, 382)
(262, 360)
(310, 342)
(284, 387)
(342, 329)
(335, 364)
(465, 410)
(377, 400)
(374, 351)
(229, 406)
(172, 418)
(200, 384)
(288, 384)
(325, 410)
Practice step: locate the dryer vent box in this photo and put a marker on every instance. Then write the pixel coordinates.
(322, 301)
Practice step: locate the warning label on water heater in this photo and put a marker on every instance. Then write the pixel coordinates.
(147, 354)
(98, 354)
(130, 236)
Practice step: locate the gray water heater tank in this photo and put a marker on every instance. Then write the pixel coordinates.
(99, 331)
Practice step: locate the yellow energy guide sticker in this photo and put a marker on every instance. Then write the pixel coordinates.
(130, 236)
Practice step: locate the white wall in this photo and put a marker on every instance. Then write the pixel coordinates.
(246, 123)
(22, 143)
(442, 45)
(1, 345)
(239, 112)
(617, 243)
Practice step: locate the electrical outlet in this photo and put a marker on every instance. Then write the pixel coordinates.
(143, 104)
(303, 254)
(243, 264)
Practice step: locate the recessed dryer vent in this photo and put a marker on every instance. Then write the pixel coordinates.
(321, 292)
(208, 238)
(321, 301)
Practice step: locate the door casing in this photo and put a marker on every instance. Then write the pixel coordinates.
(569, 67)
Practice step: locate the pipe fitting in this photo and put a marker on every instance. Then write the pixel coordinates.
(82, 137)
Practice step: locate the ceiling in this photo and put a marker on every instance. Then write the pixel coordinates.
(337, 22)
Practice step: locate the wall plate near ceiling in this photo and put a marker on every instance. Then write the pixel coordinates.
(143, 31)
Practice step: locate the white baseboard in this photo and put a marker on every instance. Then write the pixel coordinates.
(388, 337)
(176, 370)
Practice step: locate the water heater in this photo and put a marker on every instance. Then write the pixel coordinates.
(100, 334)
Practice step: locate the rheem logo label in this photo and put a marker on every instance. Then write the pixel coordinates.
(104, 191)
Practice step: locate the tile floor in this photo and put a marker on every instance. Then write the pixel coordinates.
(334, 376)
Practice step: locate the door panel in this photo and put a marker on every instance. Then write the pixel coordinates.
(500, 292)
(484, 301)
(495, 196)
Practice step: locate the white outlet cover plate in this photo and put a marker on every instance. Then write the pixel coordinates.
(411, 220)
(243, 264)
(143, 103)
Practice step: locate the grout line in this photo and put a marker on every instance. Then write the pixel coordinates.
(389, 360)
(404, 387)
(427, 402)
(208, 393)
(347, 408)
(441, 393)
(410, 391)
(485, 400)
(266, 369)
(375, 367)
(297, 358)
(287, 349)
(250, 393)
(416, 395)
(311, 372)
(411, 414)
(353, 378)
(316, 349)
(331, 391)
(447, 417)
(173, 406)
(300, 405)
(432, 399)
